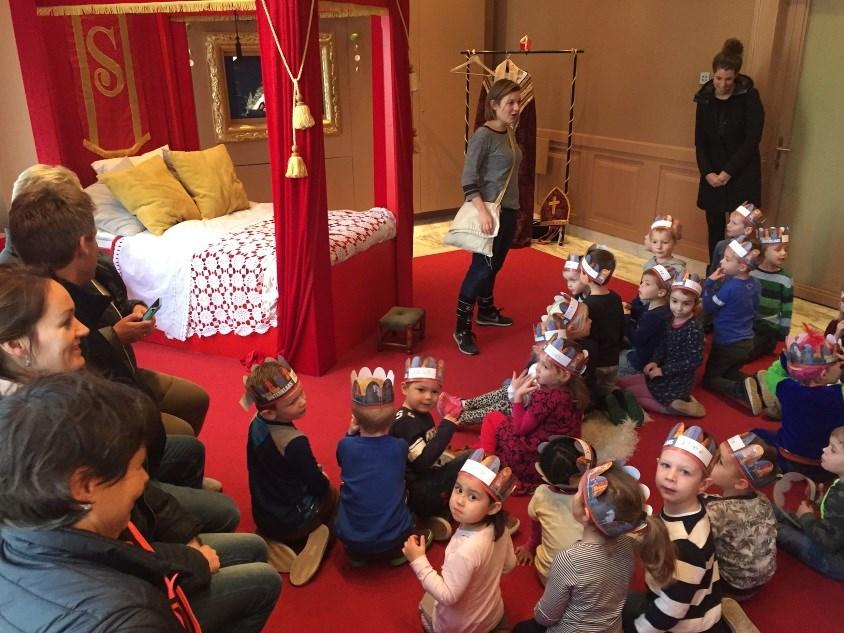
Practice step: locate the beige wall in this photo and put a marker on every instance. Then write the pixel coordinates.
(18, 151)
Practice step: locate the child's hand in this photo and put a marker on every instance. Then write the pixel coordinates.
(523, 555)
(717, 274)
(625, 305)
(354, 427)
(523, 384)
(804, 508)
(414, 547)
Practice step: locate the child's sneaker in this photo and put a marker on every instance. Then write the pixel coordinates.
(769, 400)
(400, 560)
(307, 562)
(736, 618)
(752, 396)
(439, 526)
(280, 556)
(691, 407)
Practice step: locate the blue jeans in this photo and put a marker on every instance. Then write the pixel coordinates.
(183, 461)
(797, 543)
(480, 278)
(216, 511)
(243, 592)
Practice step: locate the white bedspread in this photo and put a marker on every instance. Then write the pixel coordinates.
(219, 276)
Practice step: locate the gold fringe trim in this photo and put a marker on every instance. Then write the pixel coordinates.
(326, 9)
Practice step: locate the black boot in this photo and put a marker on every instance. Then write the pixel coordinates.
(488, 314)
(463, 335)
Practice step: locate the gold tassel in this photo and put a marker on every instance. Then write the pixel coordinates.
(296, 165)
(302, 118)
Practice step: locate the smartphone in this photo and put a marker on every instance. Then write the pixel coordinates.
(155, 307)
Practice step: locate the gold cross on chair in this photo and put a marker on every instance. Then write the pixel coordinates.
(554, 213)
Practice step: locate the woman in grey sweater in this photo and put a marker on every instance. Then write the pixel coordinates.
(490, 156)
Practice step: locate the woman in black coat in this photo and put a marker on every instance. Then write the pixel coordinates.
(728, 129)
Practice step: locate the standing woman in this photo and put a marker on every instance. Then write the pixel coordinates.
(728, 129)
(491, 156)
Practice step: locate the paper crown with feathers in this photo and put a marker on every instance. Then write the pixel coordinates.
(759, 472)
(750, 214)
(497, 481)
(744, 250)
(773, 235)
(664, 275)
(599, 506)
(572, 263)
(590, 267)
(424, 368)
(668, 222)
(694, 441)
(687, 281)
(372, 388)
(565, 306)
(278, 384)
(554, 462)
(809, 353)
(567, 354)
(548, 327)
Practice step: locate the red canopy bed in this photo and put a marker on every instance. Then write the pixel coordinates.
(322, 310)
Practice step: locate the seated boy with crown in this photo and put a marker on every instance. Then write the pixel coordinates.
(292, 499)
(431, 473)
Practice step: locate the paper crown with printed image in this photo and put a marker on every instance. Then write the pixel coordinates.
(694, 441)
(554, 464)
(748, 457)
(567, 354)
(572, 263)
(668, 222)
(372, 388)
(565, 306)
(773, 235)
(600, 507)
(424, 368)
(550, 325)
(810, 352)
(278, 382)
(751, 215)
(687, 281)
(744, 250)
(664, 275)
(592, 269)
(498, 481)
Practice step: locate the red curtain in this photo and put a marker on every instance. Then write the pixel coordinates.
(305, 314)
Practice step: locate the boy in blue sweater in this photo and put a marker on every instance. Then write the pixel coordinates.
(733, 306)
(292, 500)
(646, 330)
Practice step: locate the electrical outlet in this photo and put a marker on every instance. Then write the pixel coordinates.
(704, 77)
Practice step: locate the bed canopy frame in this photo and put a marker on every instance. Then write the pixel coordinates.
(306, 310)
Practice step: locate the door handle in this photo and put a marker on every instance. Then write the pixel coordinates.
(783, 149)
(780, 150)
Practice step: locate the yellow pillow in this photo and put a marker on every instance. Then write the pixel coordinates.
(153, 194)
(210, 179)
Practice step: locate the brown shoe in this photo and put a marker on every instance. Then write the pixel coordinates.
(691, 407)
(736, 618)
(212, 485)
(280, 556)
(306, 564)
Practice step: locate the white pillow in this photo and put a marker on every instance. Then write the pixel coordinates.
(109, 214)
(109, 164)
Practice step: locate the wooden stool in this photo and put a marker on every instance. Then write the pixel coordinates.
(401, 327)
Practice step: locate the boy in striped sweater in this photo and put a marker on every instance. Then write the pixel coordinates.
(773, 316)
(692, 602)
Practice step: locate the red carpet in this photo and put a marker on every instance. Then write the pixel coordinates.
(379, 599)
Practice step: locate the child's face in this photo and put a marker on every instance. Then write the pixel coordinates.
(575, 286)
(726, 474)
(776, 254)
(661, 243)
(292, 406)
(736, 227)
(649, 289)
(731, 264)
(548, 374)
(679, 477)
(832, 457)
(470, 503)
(682, 305)
(421, 395)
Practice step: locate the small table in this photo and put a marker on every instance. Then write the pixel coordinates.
(401, 327)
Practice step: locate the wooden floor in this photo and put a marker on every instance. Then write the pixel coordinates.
(427, 240)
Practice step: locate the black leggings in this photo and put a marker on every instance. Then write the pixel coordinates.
(716, 222)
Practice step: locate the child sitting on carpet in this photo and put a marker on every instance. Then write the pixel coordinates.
(430, 472)
(805, 380)
(373, 520)
(589, 581)
(571, 273)
(607, 314)
(836, 326)
(646, 329)
(660, 240)
(467, 596)
(292, 500)
(558, 397)
(665, 386)
(742, 518)
(733, 306)
(741, 226)
(691, 602)
(773, 317)
(819, 541)
(562, 460)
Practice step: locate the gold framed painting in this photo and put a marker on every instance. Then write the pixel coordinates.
(237, 89)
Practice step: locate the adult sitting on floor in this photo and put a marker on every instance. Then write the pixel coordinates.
(72, 559)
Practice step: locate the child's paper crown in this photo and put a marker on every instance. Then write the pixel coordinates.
(750, 214)
(549, 327)
(372, 388)
(567, 354)
(498, 482)
(810, 352)
(772, 235)
(423, 368)
(589, 266)
(564, 306)
(695, 441)
(759, 472)
(743, 248)
(687, 281)
(571, 263)
(667, 221)
(600, 508)
(552, 454)
(276, 386)
(664, 275)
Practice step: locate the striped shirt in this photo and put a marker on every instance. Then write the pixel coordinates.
(587, 587)
(691, 602)
(773, 316)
